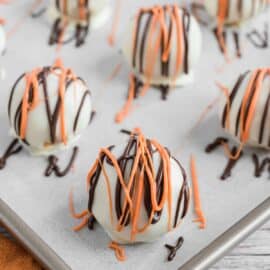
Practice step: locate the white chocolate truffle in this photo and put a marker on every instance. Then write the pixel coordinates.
(158, 181)
(245, 113)
(163, 45)
(237, 11)
(95, 11)
(48, 109)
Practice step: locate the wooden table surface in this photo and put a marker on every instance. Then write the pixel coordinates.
(252, 254)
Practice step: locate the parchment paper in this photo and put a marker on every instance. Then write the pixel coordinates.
(43, 202)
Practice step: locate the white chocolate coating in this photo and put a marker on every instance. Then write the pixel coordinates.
(101, 209)
(193, 51)
(2, 49)
(99, 12)
(38, 127)
(3, 39)
(239, 10)
(259, 132)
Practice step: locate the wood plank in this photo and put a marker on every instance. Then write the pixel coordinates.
(252, 254)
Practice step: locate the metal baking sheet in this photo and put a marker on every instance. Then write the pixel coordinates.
(35, 208)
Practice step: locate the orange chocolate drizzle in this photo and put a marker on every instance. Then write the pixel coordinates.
(196, 195)
(115, 23)
(2, 20)
(156, 43)
(222, 14)
(61, 23)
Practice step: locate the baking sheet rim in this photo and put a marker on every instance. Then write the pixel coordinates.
(204, 259)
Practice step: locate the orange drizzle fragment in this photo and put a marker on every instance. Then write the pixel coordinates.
(21, 21)
(111, 37)
(83, 10)
(119, 251)
(196, 195)
(223, 6)
(114, 73)
(84, 214)
(120, 116)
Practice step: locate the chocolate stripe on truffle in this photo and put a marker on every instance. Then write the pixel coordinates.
(246, 109)
(142, 47)
(264, 117)
(186, 26)
(232, 97)
(165, 65)
(12, 93)
(183, 198)
(123, 162)
(137, 31)
(95, 179)
(87, 93)
(240, 8)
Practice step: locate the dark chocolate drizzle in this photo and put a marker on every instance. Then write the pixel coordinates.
(53, 166)
(264, 118)
(92, 117)
(224, 33)
(39, 13)
(259, 40)
(81, 28)
(231, 164)
(12, 149)
(260, 167)
(173, 249)
(236, 38)
(94, 181)
(214, 145)
(125, 163)
(232, 97)
(91, 223)
(247, 107)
